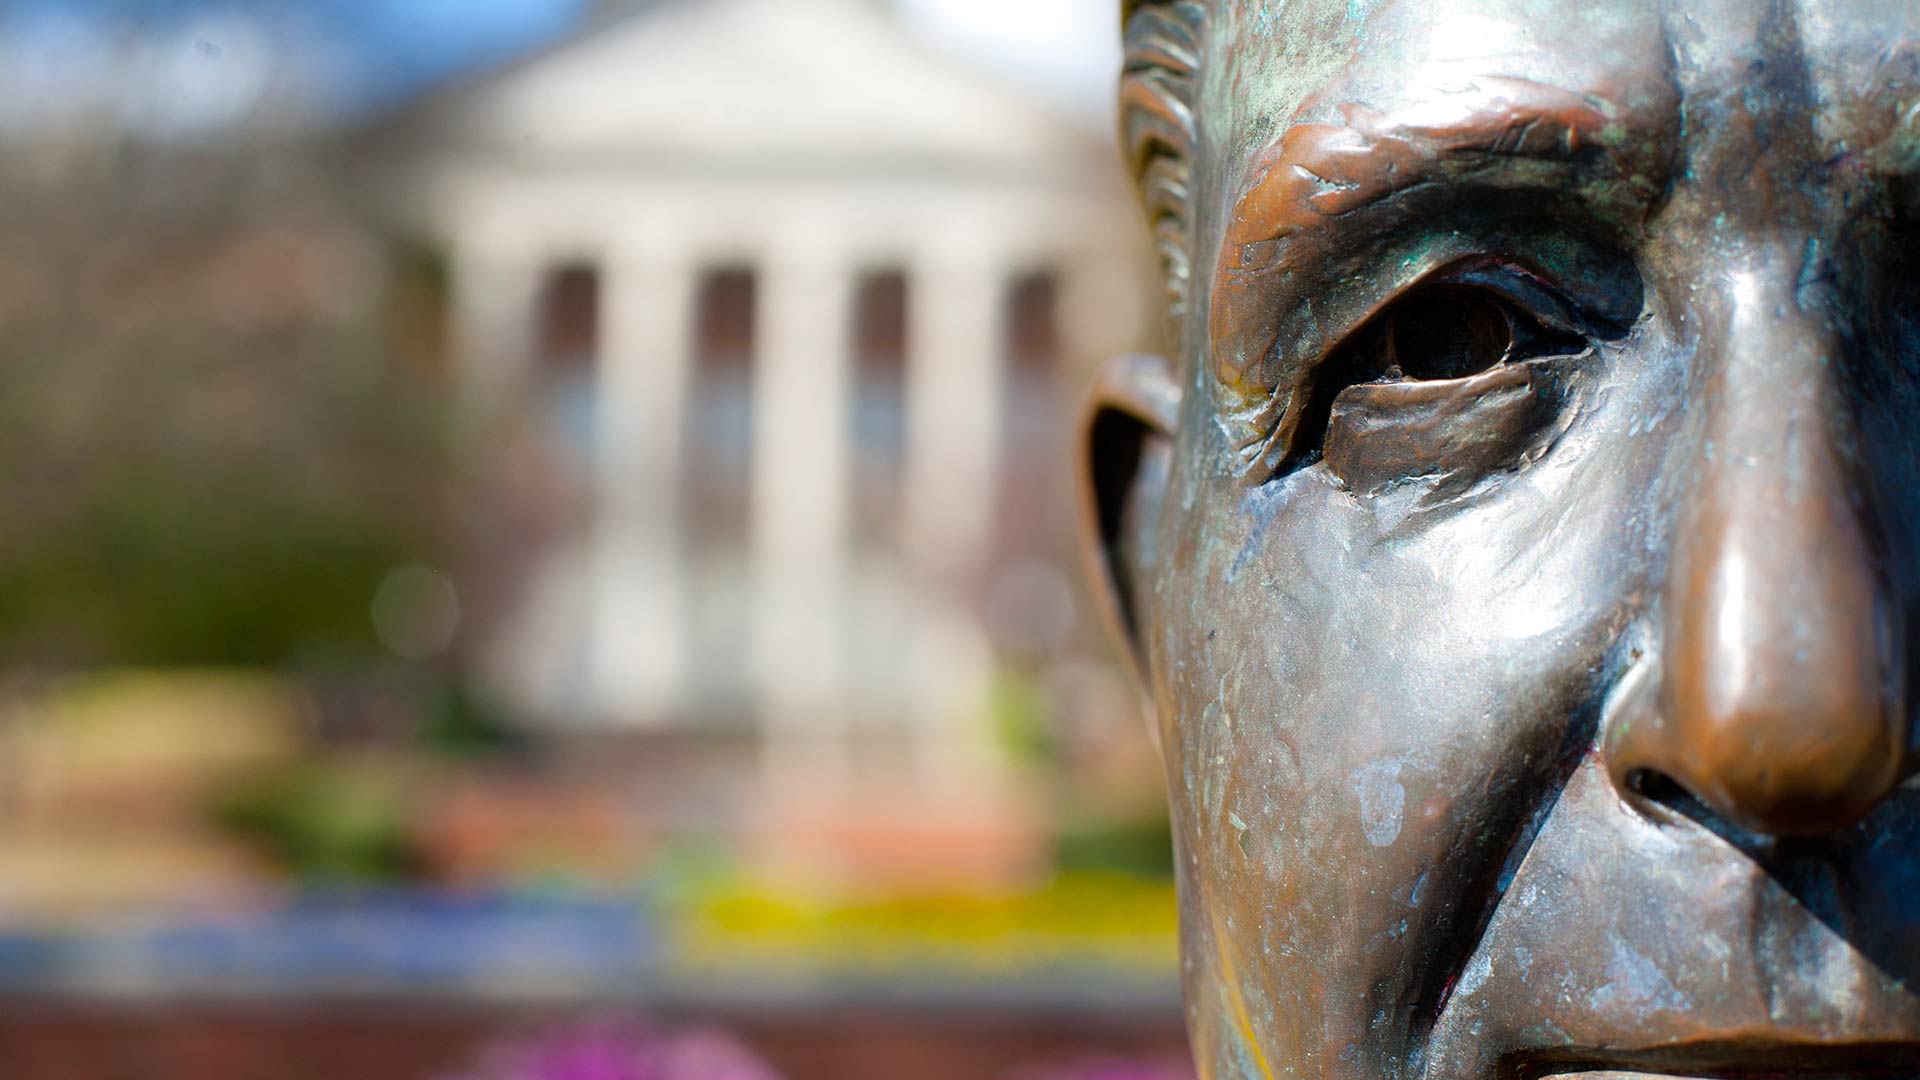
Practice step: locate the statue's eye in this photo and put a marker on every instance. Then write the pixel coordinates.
(1452, 331)
(1446, 333)
(1439, 332)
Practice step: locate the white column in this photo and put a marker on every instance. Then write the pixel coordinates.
(954, 373)
(639, 628)
(801, 460)
(495, 295)
(955, 358)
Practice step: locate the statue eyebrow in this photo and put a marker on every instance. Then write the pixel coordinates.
(1320, 171)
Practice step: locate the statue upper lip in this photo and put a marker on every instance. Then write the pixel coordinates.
(1755, 1052)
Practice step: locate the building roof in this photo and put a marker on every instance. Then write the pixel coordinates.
(757, 85)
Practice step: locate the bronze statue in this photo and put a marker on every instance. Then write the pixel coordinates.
(1523, 550)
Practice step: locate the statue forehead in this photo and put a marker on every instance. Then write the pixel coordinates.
(1277, 60)
(1281, 59)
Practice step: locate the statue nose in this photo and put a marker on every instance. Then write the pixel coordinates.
(1781, 706)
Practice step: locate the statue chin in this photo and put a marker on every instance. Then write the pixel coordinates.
(1518, 542)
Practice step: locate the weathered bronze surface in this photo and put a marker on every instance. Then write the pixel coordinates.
(1521, 549)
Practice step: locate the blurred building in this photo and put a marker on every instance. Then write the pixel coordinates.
(777, 310)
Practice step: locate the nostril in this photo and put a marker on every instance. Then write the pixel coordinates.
(1662, 797)
(1657, 787)
(1670, 800)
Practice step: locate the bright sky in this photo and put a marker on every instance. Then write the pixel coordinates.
(199, 62)
(1067, 49)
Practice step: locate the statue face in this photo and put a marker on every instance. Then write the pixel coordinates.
(1521, 552)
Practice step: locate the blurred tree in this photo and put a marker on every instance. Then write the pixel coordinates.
(209, 455)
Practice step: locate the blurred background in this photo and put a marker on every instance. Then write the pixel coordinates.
(538, 543)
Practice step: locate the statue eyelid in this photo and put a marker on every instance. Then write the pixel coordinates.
(1536, 294)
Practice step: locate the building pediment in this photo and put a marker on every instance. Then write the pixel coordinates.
(764, 85)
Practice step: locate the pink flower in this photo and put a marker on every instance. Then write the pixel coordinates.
(1110, 1068)
(620, 1052)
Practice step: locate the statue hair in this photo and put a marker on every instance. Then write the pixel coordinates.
(1159, 80)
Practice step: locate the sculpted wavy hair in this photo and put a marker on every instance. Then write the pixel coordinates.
(1158, 84)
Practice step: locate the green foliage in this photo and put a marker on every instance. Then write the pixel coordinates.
(1141, 846)
(461, 722)
(326, 821)
(1022, 720)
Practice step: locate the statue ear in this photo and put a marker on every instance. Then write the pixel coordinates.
(1125, 453)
